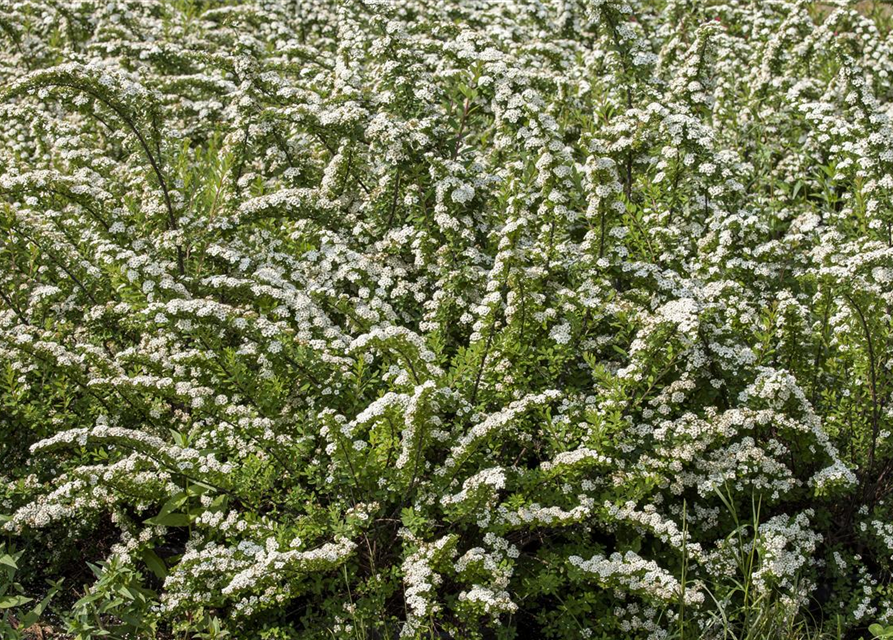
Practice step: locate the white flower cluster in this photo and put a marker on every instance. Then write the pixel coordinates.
(498, 565)
(270, 563)
(421, 580)
(786, 546)
(633, 573)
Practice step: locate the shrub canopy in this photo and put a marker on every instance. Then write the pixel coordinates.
(480, 318)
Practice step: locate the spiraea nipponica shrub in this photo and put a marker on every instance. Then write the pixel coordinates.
(468, 319)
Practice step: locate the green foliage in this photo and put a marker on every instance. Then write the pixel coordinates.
(19, 611)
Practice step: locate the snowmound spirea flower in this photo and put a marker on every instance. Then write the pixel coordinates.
(484, 318)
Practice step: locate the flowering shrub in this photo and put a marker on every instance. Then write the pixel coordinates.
(472, 319)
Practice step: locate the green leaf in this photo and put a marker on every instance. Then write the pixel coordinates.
(36, 611)
(170, 520)
(7, 602)
(174, 503)
(167, 516)
(155, 563)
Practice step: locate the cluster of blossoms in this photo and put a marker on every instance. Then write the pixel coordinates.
(379, 318)
(632, 573)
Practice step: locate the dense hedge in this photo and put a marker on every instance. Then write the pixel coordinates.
(446, 319)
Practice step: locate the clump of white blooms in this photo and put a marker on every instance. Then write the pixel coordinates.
(632, 573)
(468, 319)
